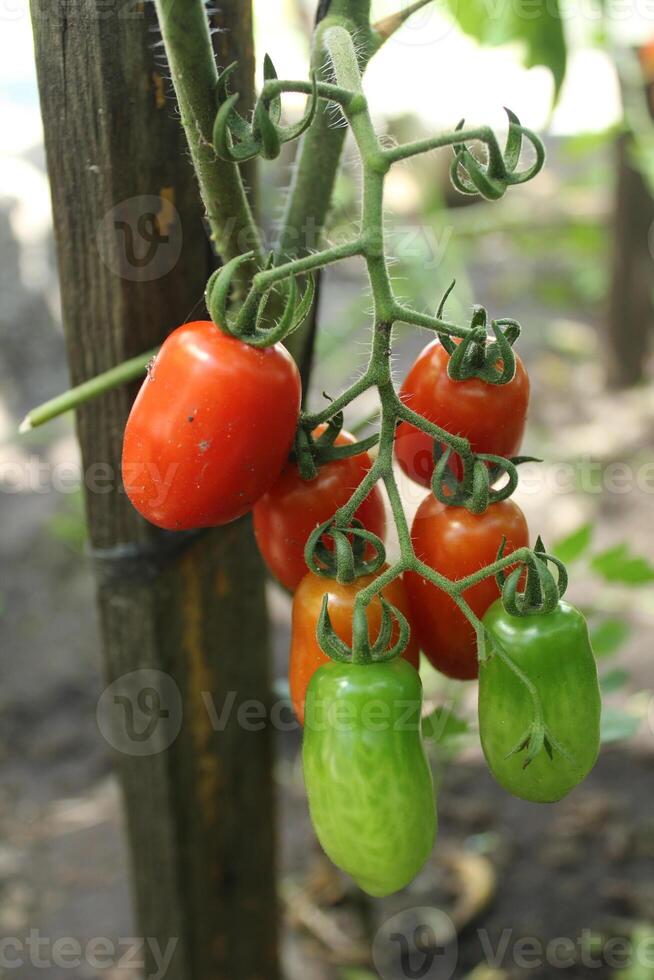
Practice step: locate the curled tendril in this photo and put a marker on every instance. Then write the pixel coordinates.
(249, 324)
(475, 356)
(236, 141)
(346, 559)
(474, 490)
(542, 590)
(362, 650)
(470, 176)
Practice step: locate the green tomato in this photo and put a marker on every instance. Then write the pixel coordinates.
(553, 650)
(366, 773)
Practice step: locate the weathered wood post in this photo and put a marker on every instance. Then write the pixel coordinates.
(134, 259)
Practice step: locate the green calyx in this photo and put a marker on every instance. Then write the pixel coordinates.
(476, 355)
(310, 453)
(362, 650)
(349, 556)
(252, 322)
(542, 590)
(476, 489)
(470, 176)
(235, 140)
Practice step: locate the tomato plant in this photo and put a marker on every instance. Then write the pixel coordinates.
(457, 543)
(306, 655)
(553, 651)
(211, 428)
(491, 417)
(368, 781)
(209, 436)
(287, 514)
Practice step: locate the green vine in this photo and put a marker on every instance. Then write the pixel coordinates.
(271, 306)
(470, 347)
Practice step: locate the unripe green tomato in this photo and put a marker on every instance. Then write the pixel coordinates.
(367, 777)
(553, 650)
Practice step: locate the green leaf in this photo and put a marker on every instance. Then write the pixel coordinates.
(442, 724)
(574, 545)
(537, 23)
(618, 564)
(354, 973)
(618, 724)
(642, 938)
(608, 636)
(613, 680)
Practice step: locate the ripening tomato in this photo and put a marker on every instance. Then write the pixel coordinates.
(210, 429)
(492, 417)
(457, 543)
(306, 655)
(553, 650)
(367, 777)
(286, 515)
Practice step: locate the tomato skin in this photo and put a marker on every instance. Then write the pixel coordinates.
(368, 781)
(210, 429)
(287, 514)
(554, 651)
(457, 543)
(492, 417)
(306, 655)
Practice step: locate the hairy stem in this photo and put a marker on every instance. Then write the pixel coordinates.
(185, 32)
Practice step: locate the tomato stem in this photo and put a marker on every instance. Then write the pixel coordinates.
(186, 37)
(122, 373)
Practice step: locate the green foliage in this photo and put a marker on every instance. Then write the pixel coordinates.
(618, 564)
(617, 724)
(535, 23)
(642, 938)
(575, 545)
(608, 636)
(613, 680)
(444, 724)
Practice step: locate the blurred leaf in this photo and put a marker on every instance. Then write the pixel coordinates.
(618, 724)
(539, 25)
(573, 546)
(613, 680)
(442, 724)
(642, 938)
(486, 972)
(618, 564)
(354, 973)
(608, 636)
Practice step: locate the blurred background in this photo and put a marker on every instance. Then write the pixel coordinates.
(570, 255)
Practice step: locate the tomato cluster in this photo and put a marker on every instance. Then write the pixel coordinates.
(209, 439)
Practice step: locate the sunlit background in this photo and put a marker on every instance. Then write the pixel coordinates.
(543, 255)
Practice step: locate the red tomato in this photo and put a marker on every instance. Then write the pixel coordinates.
(492, 417)
(306, 655)
(286, 515)
(457, 543)
(211, 428)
